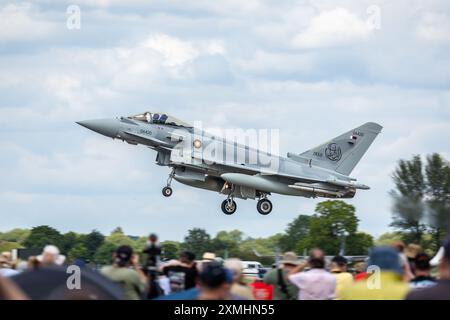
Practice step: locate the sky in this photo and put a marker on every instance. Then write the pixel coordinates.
(311, 69)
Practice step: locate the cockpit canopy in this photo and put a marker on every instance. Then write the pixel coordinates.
(160, 118)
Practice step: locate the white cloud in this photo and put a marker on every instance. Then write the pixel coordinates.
(19, 22)
(434, 27)
(332, 28)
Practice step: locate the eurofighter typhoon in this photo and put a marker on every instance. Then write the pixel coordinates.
(203, 160)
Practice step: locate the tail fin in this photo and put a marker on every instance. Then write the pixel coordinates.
(343, 153)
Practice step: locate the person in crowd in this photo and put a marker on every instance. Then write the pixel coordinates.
(283, 289)
(6, 265)
(423, 278)
(214, 283)
(411, 252)
(441, 290)
(360, 271)
(33, 263)
(126, 271)
(239, 287)
(209, 256)
(344, 279)
(316, 283)
(399, 245)
(182, 274)
(51, 256)
(385, 283)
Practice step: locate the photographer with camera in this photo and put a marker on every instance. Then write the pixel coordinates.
(152, 260)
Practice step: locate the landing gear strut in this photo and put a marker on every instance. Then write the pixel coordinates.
(167, 190)
(229, 206)
(264, 206)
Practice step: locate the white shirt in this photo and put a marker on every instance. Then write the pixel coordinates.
(315, 284)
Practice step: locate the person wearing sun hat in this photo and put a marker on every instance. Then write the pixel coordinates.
(283, 289)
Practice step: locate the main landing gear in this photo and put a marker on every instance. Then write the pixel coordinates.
(264, 206)
(167, 190)
(229, 206)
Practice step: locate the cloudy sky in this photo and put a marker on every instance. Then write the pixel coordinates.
(312, 69)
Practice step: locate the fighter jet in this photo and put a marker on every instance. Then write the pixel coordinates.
(196, 158)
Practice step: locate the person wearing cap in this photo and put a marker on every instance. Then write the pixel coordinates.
(208, 257)
(441, 290)
(411, 252)
(283, 289)
(344, 279)
(238, 288)
(399, 245)
(126, 271)
(385, 283)
(423, 278)
(316, 283)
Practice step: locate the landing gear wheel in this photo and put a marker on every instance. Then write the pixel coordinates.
(264, 206)
(167, 191)
(229, 206)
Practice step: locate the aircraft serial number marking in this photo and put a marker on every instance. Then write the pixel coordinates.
(318, 154)
(147, 132)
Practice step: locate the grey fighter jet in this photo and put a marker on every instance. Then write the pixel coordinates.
(203, 160)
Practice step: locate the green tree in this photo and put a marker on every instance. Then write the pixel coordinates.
(408, 206)
(118, 238)
(92, 242)
(69, 240)
(78, 251)
(226, 243)
(9, 245)
(358, 244)
(15, 235)
(386, 238)
(41, 236)
(170, 249)
(437, 173)
(104, 253)
(198, 241)
(296, 231)
(332, 220)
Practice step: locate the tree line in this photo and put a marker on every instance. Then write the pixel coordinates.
(317, 230)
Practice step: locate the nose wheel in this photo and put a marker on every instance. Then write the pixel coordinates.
(264, 206)
(167, 190)
(229, 206)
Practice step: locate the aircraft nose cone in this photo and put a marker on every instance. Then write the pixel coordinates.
(106, 127)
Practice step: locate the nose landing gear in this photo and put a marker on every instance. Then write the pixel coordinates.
(167, 190)
(229, 206)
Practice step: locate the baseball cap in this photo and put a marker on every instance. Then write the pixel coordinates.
(386, 258)
(123, 254)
